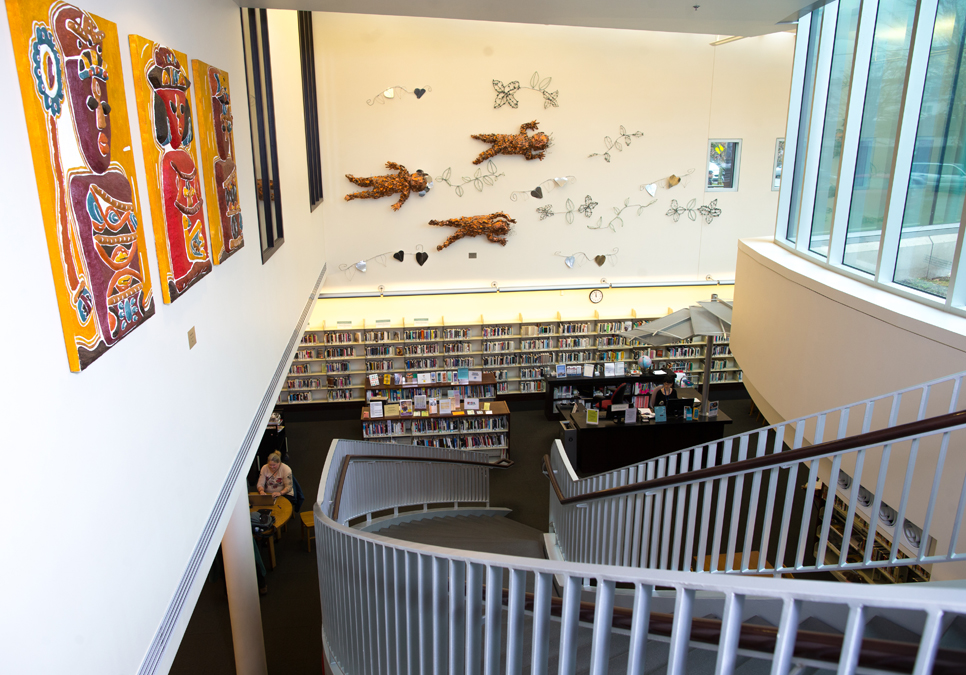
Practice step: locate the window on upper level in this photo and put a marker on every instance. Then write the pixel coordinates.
(724, 156)
(876, 164)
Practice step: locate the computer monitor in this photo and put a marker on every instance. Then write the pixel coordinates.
(676, 406)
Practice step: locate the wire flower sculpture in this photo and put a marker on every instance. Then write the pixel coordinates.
(617, 220)
(391, 93)
(478, 180)
(710, 211)
(537, 192)
(677, 211)
(579, 258)
(545, 211)
(617, 145)
(668, 183)
(506, 93)
(362, 266)
(587, 208)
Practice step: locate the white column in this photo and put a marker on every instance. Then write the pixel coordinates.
(243, 604)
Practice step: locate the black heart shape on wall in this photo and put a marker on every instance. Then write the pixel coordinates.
(419, 92)
(399, 255)
(538, 193)
(422, 257)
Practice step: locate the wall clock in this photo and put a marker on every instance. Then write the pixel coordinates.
(596, 295)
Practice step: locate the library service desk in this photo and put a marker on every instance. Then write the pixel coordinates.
(554, 386)
(609, 445)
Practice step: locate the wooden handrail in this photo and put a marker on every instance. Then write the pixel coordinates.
(881, 654)
(870, 438)
(503, 463)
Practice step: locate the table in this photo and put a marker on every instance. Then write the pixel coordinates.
(282, 510)
(589, 383)
(610, 445)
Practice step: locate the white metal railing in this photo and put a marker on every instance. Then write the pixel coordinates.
(902, 495)
(394, 607)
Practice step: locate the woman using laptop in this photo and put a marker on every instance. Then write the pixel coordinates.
(665, 391)
(275, 479)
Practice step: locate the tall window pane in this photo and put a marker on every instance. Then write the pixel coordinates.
(934, 201)
(877, 137)
(838, 100)
(808, 91)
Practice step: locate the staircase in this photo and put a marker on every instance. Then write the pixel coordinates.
(661, 567)
(491, 531)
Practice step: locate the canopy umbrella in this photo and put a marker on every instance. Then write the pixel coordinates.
(709, 319)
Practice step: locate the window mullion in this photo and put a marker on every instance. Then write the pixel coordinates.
(794, 117)
(853, 127)
(906, 138)
(813, 150)
(956, 296)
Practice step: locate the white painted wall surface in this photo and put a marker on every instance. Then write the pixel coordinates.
(113, 472)
(674, 88)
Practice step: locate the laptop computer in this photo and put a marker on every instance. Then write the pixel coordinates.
(261, 501)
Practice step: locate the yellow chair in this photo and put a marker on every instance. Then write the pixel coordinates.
(308, 529)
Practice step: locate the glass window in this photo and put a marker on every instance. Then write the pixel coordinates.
(808, 92)
(776, 180)
(937, 182)
(261, 113)
(830, 154)
(723, 158)
(877, 135)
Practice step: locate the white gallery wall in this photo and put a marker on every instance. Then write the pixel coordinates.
(113, 472)
(674, 88)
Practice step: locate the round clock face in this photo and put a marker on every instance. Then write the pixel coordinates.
(596, 296)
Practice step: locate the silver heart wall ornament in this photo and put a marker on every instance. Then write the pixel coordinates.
(651, 188)
(361, 265)
(570, 260)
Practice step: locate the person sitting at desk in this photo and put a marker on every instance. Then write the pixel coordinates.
(275, 479)
(665, 391)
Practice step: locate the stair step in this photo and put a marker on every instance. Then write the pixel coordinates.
(955, 635)
(881, 628)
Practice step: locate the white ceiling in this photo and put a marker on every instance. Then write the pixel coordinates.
(712, 17)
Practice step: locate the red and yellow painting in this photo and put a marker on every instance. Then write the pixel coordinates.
(216, 140)
(161, 85)
(69, 67)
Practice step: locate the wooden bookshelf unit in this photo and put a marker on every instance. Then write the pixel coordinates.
(460, 430)
(332, 362)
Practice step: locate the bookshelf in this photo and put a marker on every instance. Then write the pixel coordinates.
(481, 432)
(333, 361)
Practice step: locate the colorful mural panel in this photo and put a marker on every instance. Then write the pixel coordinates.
(216, 140)
(69, 67)
(161, 86)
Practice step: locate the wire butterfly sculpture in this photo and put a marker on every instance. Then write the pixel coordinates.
(677, 211)
(710, 212)
(506, 93)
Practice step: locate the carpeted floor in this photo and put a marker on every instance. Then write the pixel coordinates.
(291, 616)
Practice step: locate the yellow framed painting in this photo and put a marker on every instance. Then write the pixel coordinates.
(69, 68)
(161, 85)
(216, 140)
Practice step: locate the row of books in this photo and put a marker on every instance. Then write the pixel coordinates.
(398, 395)
(496, 331)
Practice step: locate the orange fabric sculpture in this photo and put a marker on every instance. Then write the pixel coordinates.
(494, 227)
(402, 182)
(531, 147)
